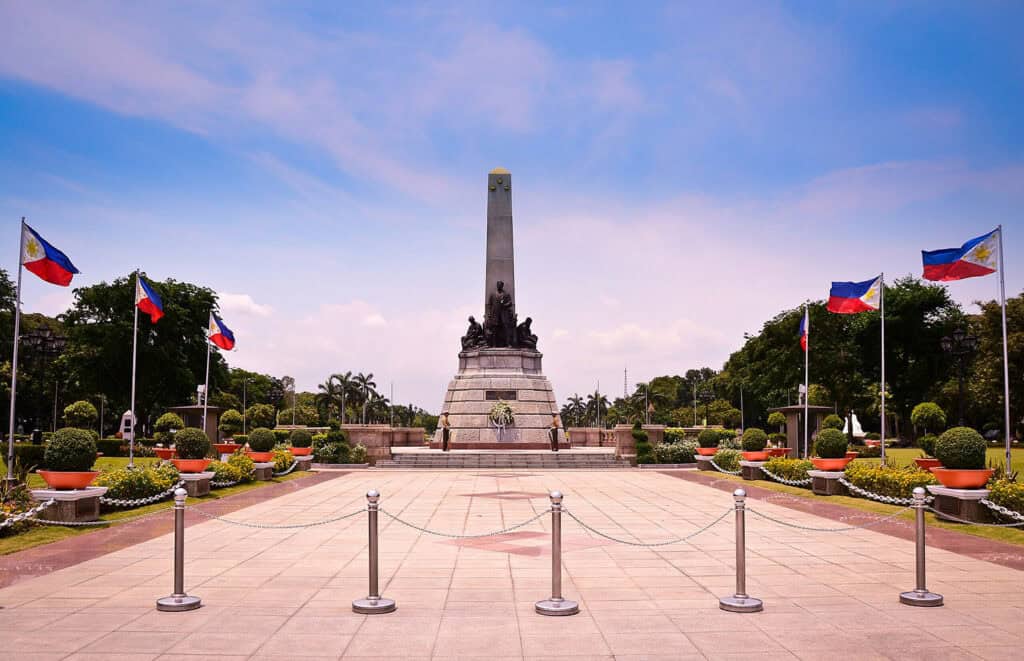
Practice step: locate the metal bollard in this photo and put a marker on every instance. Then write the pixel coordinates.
(741, 602)
(920, 596)
(178, 600)
(373, 604)
(556, 605)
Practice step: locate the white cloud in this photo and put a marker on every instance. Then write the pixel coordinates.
(243, 304)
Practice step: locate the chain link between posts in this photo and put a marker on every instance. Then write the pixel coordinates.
(797, 526)
(138, 502)
(459, 536)
(722, 470)
(889, 500)
(944, 515)
(27, 514)
(275, 526)
(1016, 516)
(792, 483)
(288, 470)
(678, 540)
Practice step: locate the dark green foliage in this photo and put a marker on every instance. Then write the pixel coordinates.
(961, 448)
(832, 421)
(644, 451)
(164, 425)
(331, 448)
(262, 439)
(230, 422)
(873, 436)
(928, 416)
(777, 438)
(754, 439)
(191, 443)
(70, 450)
(281, 435)
(300, 438)
(831, 444)
(261, 415)
(241, 439)
(81, 414)
(776, 419)
(338, 436)
(927, 444)
(113, 447)
(30, 456)
(674, 435)
(708, 438)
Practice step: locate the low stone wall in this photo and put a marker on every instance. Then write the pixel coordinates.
(379, 439)
(585, 437)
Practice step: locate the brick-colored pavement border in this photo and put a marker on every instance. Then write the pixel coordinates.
(41, 560)
(1000, 553)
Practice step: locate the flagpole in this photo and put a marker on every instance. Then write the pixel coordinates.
(14, 356)
(881, 307)
(135, 342)
(206, 383)
(807, 372)
(1006, 360)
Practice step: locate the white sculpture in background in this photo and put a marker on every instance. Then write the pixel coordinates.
(857, 431)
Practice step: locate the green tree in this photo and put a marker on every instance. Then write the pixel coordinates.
(260, 415)
(929, 416)
(81, 414)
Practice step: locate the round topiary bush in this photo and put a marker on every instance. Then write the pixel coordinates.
(80, 414)
(708, 438)
(230, 423)
(70, 450)
(165, 426)
(831, 444)
(754, 439)
(262, 439)
(832, 421)
(301, 438)
(261, 415)
(927, 443)
(191, 443)
(929, 416)
(776, 419)
(961, 448)
(777, 438)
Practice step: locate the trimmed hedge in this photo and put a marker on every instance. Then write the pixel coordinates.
(138, 482)
(887, 480)
(832, 421)
(191, 443)
(961, 448)
(789, 469)
(927, 443)
(281, 435)
(831, 444)
(262, 439)
(754, 439)
(728, 459)
(30, 455)
(70, 450)
(676, 453)
(300, 438)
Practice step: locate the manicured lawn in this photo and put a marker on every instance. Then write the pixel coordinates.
(996, 456)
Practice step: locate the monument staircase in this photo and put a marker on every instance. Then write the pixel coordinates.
(580, 459)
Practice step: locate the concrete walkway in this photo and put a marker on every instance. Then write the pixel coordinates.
(286, 594)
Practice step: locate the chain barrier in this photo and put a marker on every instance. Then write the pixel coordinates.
(889, 500)
(275, 526)
(797, 526)
(678, 540)
(457, 536)
(224, 485)
(722, 470)
(944, 515)
(1016, 516)
(138, 502)
(110, 522)
(792, 483)
(288, 470)
(27, 514)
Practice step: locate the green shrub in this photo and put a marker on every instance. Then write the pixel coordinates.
(358, 455)
(789, 469)
(961, 448)
(754, 439)
(927, 444)
(191, 443)
(115, 447)
(681, 452)
(300, 438)
(163, 426)
(337, 436)
(867, 452)
(708, 438)
(644, 451)
(929, 416)
(1008, 494)
(261, 415)
(70, 450)
(873, 436)
(80, 414)
(262, 439)
(776, 419)
(724, 434)
(230, 423)
(30, 456)
(241, 439)
(281, 435)
(728, 459)
(330, 448)
(243, 463)
(729, 443)
(831, 444)
(224, 472)
(282, 459)
(732, 417)
(674, 435)
(832, 421)
(887, 480)
(778, 439)
(138, 482)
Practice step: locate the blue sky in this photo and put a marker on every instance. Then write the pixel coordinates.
(681, 172)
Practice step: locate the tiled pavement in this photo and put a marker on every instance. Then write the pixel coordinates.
(286, 594)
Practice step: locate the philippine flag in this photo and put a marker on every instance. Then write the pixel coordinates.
(805, 329)
(148, 300)
(979, 256)
(220, 334)
(44, 260)
(853, 297)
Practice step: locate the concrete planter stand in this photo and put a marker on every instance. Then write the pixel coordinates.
(751, 470)
(340, 466)
(197, 484)
(704, 463)
(961, 503)
(662, 467)
(826, 483)
(264, 470)
(304, 463)
(71, 506)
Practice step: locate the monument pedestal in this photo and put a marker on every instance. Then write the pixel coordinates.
(70, 506)
(751, 470)
(826, 483)
(961, 503)
(263, 470)
(197, 484)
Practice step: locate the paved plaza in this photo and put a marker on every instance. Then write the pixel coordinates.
(286, 594)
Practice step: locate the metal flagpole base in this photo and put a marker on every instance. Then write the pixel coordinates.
(738, 604)
(920, 598)
(178, 602)
(373, 606)
(557, 607)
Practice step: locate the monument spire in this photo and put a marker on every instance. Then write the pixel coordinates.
(500, 251)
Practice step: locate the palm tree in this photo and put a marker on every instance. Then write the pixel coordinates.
(346, 388)
(366, 387)
(597, 407)
(575, 409)
(330, 395)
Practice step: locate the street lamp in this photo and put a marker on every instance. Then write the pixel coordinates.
(245, 382)
(960, 346)
(46, 344)
(707, 395)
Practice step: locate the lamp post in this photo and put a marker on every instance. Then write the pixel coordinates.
(245, 382)
(960, 346)
(707, 395)
(45, 344)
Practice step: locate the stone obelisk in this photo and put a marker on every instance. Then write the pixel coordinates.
(501, 261)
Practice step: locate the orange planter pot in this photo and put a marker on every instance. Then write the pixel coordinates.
(68, 479)
(778, 452)
(852, 454)
(191, 465)
(830, 464)
(300, 452)
(761, 455)
(226, 448)
(164, 453)
(707, 452)
(963, 478)
(927, 463)
(260, 457)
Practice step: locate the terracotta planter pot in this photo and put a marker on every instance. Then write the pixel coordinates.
(707, 452)
(852, 454)
(778, 452)
(68, 479)
(963, 478)
(260, 457)
(226, 448)
(191, 465)
(760, 455)
(300, 452)
(927, 463)
(830, 464)
(873, 443)
(164, 453)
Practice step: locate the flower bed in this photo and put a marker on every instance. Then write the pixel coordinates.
(1007, 494)
(789, 469)
(138, 482)
(680, 452)
(887, 480)
(728, 459)
(238, 468)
